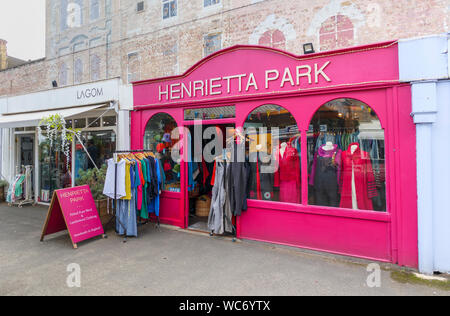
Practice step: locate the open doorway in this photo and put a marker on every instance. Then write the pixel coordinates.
(26, 150)
(200, 174)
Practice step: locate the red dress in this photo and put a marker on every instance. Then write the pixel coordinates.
(360, 162)
(288, 177)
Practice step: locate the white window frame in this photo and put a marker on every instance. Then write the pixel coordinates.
(162, 10)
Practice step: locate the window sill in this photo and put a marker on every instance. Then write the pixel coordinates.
(320, 210)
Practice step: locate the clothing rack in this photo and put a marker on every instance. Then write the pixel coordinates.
(115, 157)
(27, 187)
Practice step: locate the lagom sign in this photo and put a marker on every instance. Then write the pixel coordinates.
(60, 98)
(247, 82)
(89, 93)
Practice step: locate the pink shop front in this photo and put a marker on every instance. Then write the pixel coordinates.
(338, 125)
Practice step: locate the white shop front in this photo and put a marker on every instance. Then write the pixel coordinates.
(99, 110)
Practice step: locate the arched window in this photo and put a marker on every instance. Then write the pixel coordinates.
(158, 139)
(274, 155)
(336, 32)
(273, 38)
(346, 157)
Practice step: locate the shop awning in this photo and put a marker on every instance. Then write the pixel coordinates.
(34, 118)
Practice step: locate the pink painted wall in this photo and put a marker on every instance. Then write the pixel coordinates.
(368, 74)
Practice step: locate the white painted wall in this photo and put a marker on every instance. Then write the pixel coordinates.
(425, 63)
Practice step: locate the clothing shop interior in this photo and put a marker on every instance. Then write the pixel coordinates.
(58, 170)
(345, 152)
(345, 160)
(202, 161)
(37, 157)
(346, 157)
(158, 141)
(274, 155)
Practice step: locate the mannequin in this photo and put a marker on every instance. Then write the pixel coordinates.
(357, 179)
(283, 147)
(326, 174)
(287, 177)
(328, 146)
(262, 181)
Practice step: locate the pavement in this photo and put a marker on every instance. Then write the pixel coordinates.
(174, 262)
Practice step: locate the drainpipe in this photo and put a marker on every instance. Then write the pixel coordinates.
(425, 114)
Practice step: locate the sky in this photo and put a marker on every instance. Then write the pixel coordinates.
(22, 24)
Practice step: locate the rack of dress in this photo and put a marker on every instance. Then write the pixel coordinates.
(20, 191)
(134, 183)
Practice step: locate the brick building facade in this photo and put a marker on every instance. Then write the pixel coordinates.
(91, 40)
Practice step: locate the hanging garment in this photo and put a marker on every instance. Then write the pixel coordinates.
(115, 187)
(127, 182)
(155, 202)
(325, 176)
(216, 214)
(126, 217)
(261, 182)
(238, 182)
(287, 177)
(358, 182)
(155, 177)
(144, 212)
(140, 184)
(163, 175)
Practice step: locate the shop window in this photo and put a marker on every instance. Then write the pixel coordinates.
(99, 144)
(54, 168)
(169, 8)
(93, 122)
(346, 157)
(109, 121)
(214, 113)
(273, 38)
(337, 31)
(79, 123)
(274, 155)
(158, 139)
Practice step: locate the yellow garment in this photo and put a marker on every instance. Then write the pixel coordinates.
(127, 182)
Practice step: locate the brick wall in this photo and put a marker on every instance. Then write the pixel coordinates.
(121, 42)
